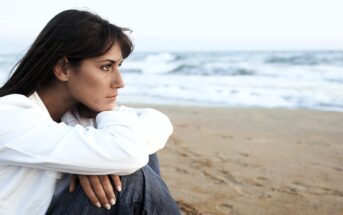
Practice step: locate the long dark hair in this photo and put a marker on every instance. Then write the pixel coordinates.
(71, 34)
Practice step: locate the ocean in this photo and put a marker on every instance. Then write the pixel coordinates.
(264, 79)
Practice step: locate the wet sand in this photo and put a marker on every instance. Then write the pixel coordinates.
(255, 161)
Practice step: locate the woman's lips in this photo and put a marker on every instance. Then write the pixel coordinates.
(114, 97)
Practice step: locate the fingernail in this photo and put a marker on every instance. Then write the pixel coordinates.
(119, 188)
(113, 202)
(98, 204)
(107, 206)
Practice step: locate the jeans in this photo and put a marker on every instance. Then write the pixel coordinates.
(144, 192)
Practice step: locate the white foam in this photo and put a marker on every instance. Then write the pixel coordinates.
(260, 91)
(209, 79)
(153, 63)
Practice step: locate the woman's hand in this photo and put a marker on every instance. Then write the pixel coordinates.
(98, 189)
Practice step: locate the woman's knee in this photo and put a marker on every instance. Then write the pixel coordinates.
(157, 198)
(142, 190)
(144, 184)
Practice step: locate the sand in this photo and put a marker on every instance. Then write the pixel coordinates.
(255, 161)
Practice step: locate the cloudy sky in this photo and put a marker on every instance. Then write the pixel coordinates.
(191, 25)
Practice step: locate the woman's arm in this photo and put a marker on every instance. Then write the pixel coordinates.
(29, 138)
(155, 127)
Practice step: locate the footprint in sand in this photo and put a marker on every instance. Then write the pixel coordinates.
(261, 178)
(228, 176)
(291, 190)
(227, 137)
(225, 208)
(337, 193)
(337, 169)
(181, 170)
(183, 154)
(326, 191)
(259, 181)
(187, 209)
(249, 138)
(300, 186)
(224, 177)
(182, 125)
(176, 140)
(202, 162)
(216, 179)
(192, 153)
(313, 190)
(265, 196)
(239, 163)
(244, 154)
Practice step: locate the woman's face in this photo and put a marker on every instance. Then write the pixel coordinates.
(96, 81)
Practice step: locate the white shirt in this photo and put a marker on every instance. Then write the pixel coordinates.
(34, 149)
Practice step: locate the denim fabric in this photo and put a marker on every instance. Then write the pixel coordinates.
(143, 193)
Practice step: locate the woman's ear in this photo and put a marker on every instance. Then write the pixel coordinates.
(62, 70)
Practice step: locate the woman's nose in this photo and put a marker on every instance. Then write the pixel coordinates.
(118, 81)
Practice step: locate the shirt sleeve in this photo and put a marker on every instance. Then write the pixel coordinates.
(156, 127)
(30, 139)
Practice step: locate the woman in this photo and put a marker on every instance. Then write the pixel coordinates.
(73, 66)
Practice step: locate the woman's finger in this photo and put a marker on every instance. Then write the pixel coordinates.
(108, 188)
(99, 191)
(72, 183)
(88, 189)
(117, 182)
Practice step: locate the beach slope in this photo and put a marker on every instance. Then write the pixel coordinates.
(255, 161)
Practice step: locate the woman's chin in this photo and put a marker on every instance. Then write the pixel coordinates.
(108, 108)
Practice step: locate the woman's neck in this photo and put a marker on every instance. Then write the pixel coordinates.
(56, 100)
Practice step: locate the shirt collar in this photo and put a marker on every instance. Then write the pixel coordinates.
(38, 101)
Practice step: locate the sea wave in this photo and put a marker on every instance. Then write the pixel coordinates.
(306, 58)
(310, 80)
(186, 64)
(204, 71)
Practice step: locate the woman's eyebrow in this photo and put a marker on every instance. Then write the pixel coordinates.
(110, 60)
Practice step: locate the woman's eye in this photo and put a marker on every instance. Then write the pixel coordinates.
(106, 67)
(120, 64)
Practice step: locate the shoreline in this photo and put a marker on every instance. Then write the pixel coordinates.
(254, 160)
(203, 106)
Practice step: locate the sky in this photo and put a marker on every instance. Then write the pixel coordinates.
(191, 25)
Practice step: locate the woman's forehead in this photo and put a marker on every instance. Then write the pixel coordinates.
(113, 54)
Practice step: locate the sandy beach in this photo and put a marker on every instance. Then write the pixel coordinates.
(255, 161)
